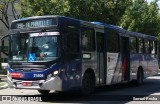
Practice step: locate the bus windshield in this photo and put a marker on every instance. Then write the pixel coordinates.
(35, 46)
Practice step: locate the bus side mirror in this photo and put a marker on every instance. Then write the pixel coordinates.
(4, 48)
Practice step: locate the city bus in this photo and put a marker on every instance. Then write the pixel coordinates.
(61, 53)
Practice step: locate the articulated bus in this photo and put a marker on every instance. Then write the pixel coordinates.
(61, 53)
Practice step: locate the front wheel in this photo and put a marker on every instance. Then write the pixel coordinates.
(87, 84)
(43, 92)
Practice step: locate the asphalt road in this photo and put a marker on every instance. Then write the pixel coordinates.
(148, 93)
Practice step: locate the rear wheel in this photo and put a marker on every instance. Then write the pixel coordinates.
(43, 92)
(139, 77)
(87, 84)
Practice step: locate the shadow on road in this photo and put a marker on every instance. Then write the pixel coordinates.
(100, 94)
(123, 93)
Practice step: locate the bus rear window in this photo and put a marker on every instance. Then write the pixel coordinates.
(113, 42)
(88, 39)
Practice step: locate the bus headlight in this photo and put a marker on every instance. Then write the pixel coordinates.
(55, 73)
(49, 76)
(52, 74)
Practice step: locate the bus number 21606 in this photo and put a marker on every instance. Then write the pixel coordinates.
(38, 75)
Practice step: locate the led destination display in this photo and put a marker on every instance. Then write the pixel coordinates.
(34, 23)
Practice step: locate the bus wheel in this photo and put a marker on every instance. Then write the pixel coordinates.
(139, 77)
(43, 92)
(87, 84)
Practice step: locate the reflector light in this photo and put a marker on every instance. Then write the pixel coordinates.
(17, 75)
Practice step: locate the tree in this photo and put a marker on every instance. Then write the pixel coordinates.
(106, 11)
(43, 7)
(109, 11)
(141, 17)
(133, 15)
(4, 14)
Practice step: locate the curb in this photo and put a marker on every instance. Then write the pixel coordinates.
(4, 86)
(2, 79)
(2, 75)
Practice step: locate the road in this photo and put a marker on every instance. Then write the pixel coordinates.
(119, 93)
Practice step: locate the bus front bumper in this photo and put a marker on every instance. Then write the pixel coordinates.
(54, 83)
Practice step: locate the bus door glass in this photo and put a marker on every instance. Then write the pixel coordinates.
(113, 58)
(125, 57)
(100, 56)
(71, 54)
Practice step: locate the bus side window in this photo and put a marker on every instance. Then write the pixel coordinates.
(140, 44)
(133, 45)
(155, 47)
(88, 39)
(100, 41)
(113, 42)
(151, 47)
(146, 42)
(71, 40)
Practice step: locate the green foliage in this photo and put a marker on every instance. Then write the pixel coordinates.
(5, 6)
(141, 17)
(133, 15)
(43, 7)
(107, 11)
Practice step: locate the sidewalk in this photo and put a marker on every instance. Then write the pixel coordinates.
(3, 81)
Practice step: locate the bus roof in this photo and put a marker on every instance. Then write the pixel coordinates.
(129, 33)
(93, 24)
(35, 17)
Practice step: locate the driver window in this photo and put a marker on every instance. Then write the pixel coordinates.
(71, 40)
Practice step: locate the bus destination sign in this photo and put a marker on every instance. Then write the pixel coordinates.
(33, 23)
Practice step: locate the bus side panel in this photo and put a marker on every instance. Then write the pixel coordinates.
(148, 62)
(72, 63)
(90, 63)
(114, 68)
(134, 64)
(144, 61)
(71, 77)
(152, 64)
(143, 64)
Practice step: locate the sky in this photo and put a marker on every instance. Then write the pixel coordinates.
(153, 0)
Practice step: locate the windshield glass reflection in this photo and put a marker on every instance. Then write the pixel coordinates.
(32, 47)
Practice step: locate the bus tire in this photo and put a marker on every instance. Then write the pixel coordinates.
(140, 77)
(43, 92)
(87, 84)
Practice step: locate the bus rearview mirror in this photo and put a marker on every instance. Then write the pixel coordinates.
(4, 48)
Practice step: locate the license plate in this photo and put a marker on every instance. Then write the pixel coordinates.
(27, 83)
